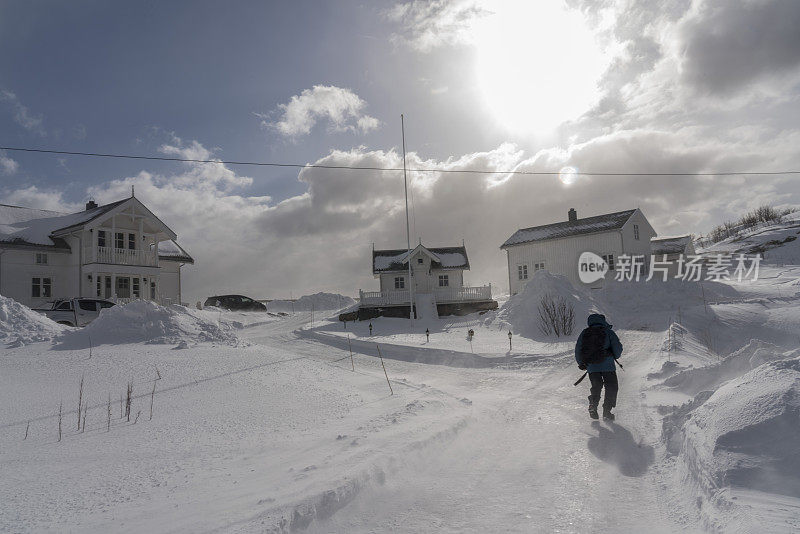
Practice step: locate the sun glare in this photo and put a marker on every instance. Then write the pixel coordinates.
(537, 62)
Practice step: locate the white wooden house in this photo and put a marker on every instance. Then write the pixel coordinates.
(117, 251)
(556, 247)
(437, 280)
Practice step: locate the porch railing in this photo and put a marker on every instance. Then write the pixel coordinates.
(445, 295)
(123, 256)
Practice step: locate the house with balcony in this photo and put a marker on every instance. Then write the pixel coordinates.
(119, 251)
(436, 280)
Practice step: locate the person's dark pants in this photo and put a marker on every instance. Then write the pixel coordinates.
(607, 379)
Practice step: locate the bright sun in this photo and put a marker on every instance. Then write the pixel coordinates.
(538, 63)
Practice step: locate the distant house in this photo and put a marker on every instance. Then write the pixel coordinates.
(670, 249)
(117, 251)
(556, 247)
(437, 280)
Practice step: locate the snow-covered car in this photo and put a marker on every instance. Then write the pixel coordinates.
(235, 302)
(75, 312)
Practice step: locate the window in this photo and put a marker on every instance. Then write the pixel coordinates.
(119, 240)
(103, 304)
(522, 272)
(152, 290)
(108, 287)
(636, 232)
(132, 241)
(538, 266)
(41, 287)
(420, 261)
(99, 287)
(101, 238)
(444, 280)
(87, 305)
(64, 306)
(41, 258)
(136, 288)
(399, 282)
(609, 259)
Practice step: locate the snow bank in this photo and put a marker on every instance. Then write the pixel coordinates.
(745, 434)
(144, 321)
(520, 313)
(755, 353)
(319, 301)
(20, 325)
(635, 298)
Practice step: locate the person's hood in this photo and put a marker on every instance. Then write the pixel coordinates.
(597, 319)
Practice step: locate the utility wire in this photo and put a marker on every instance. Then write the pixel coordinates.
(393, 169)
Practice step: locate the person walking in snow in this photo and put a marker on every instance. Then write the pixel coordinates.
(596, 352)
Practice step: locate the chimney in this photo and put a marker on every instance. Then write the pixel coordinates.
(91, 205)
(573, 215)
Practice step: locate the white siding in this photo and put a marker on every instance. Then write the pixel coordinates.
(560, 256)
(425, 278)
(169, 281)
(18, 268)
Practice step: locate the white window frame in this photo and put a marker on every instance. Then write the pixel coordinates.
(399, 282)
(636, 232)
(444, 280)
(102, 235)
(118, 240)
(538, 266)
(41, 286)
(522, 271)
(40, 258)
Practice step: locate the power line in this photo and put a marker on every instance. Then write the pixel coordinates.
(392, 169)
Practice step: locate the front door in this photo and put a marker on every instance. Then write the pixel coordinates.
(123, 287)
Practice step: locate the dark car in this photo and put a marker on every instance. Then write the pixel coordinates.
(235, 302)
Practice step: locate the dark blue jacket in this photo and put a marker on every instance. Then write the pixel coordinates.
(612, 343)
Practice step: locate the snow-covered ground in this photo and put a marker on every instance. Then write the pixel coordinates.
(267, 423)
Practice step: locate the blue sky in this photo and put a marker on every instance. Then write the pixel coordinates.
(493, 85)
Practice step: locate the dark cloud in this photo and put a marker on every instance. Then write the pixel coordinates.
(730, 44)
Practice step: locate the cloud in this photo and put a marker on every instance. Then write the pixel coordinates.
(21, 114)
(7, 165)
(341, 108)
(44, 199)
(728, 45)
(427, 25)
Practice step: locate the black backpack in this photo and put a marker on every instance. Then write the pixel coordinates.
(593, 345)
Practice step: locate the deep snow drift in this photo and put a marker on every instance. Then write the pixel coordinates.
(147, 322)
(520, 313)
(19, 325)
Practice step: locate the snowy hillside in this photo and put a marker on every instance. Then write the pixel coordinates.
(777, 243)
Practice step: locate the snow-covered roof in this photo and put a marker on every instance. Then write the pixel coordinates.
(172, 251)
(441, 258)
(587, 225)
(22, 227)
(33, 227)
(670, 245)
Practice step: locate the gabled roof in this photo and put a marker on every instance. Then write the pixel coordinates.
(29, 228)
(587, 225)
(441, 258)
(670, 245)
(171, 251)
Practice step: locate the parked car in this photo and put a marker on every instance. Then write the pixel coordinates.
(75, 312)
(235, 302)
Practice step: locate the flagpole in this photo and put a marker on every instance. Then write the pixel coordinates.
(408, 226)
